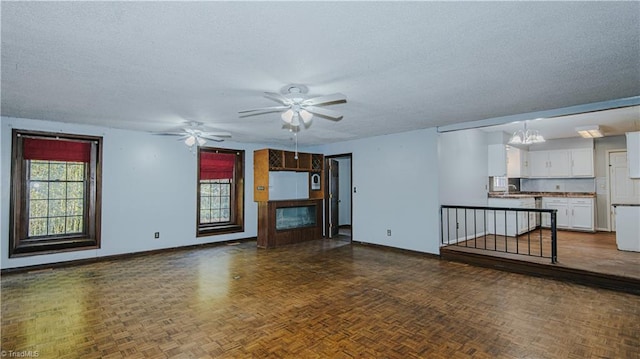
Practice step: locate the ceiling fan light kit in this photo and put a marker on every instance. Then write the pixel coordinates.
(297, 106)
(195, 133)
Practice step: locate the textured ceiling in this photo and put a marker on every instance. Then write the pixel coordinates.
(403, 65)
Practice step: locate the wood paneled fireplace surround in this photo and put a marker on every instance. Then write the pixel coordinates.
(282, 222)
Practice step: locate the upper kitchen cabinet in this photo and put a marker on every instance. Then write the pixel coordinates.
(550, 164)
(561, 163)
(507, 161)
(517, 162)
(497, 160)
(633, 154)
(582, 162)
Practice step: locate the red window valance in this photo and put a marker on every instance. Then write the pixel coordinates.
(216, 165)
(56, 150)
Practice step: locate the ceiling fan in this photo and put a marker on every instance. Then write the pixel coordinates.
(195, 133)
(296, 106)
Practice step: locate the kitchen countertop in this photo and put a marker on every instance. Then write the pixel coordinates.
(542, 194)
(626, 204)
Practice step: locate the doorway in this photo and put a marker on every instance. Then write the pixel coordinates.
(338, 200)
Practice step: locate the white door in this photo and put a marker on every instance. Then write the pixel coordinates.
(622, 189)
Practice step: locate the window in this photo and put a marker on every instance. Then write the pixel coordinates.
(220, 191)
(55, 193)
(499, 184)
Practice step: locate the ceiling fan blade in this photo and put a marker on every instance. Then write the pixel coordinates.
(215, 134)
(325, 112)
(169, 133)
(336, 97)
(278, 97)
(213, 138)
(266, 109)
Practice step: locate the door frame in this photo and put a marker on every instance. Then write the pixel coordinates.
(326, 198)
(610, 212)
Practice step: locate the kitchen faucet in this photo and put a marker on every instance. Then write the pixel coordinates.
(511, 185)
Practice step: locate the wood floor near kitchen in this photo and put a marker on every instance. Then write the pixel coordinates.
(591, 258)
(319, 299)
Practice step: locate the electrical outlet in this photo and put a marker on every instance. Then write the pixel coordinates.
(557, 186)
(388, 232)
(156, 235)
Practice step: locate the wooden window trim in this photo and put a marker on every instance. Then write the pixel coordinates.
(237, 222)
(19, 245)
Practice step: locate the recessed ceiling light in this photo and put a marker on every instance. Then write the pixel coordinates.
(589, 131)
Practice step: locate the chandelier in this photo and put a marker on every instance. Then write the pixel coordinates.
(526, 137)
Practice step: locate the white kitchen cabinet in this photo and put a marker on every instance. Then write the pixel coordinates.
(497, 161)
(526, 221)
(573, 213)
(516, 162)
(581, 216)
(561, 163)
(582, 162)
(562, 216)
(506, 161)
(549, 164)
(538, 164)
(524, 164)
(633, 154)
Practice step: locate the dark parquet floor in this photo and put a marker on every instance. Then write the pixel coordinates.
(320, 299)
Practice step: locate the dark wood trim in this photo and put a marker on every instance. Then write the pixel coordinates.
(237, 223)
(115, 257)
(579, 276)
(350, 157)
(19, 245)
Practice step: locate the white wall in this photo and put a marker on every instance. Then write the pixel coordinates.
(148, 185)
(396, 178)
(463, 178)
(463, 168)
(288, 185)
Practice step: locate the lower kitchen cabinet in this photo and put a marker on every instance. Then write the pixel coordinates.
(573, 213)
(511, 222)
